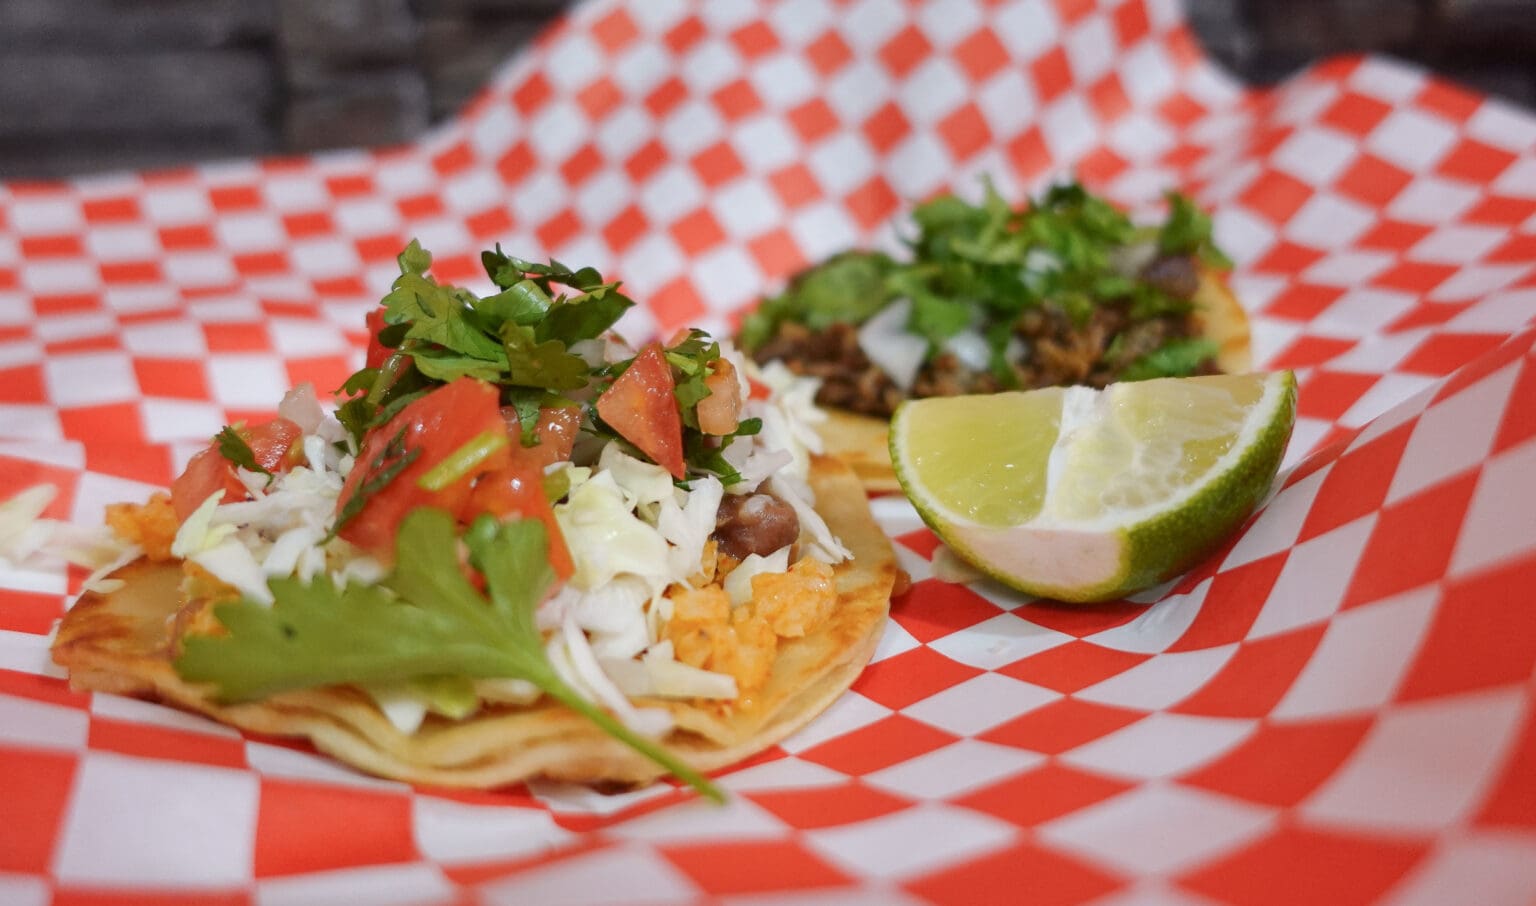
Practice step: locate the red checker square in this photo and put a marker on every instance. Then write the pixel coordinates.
(1073, 666)
(685, 34)
(676, 303)
(1475, 162)
(516, 164)
(1426, 314)
(308, 223)
(664, 97)
(580, 166)
(119, 421)
(1372, 180)
(349, 185)
(1414, 276)
(1071, 11)
(304, 827)
(41, 688)
(1400, 554)
(558, 230)
(1356, 114)
(755, 39)
(22, 384)
(150, 741)
(889, 741)
(1302, 301)
(886, 127)
(1181, 110)
(921, 541)
(807, 809)
(981, 55)
(1101, 166)
(1022, 873)
(728, 867)
(615, 30)
(1061, 726)
(461, 268)
(717, 164)
(532, 93)
(344, 286)
(795, 185)
(873, 203)
(1518, 248)
(1519, 424)
(1079, 620)
(1029, 155)
(384, 247)
(1257, 676)
(1358, 483)
(237, 337)
(1443, 353)
(1287, 258)
(1393, 235)
(261, 263)
(1282, 763)
(1451, 102)
(777, 253)
(965, 132)
(8, 278)
(904, 51)
(1480, 637)
(1052, 74)
(828, 53)
(1303, 865)
(1329, 394)
(626, 229)
(325, 372)
(173, 378)
(1047, 792)
(422, 207)
(1308, 351)
(940, 608)
(1108, 98)
(101, 343)
(109, 210)
(65, 303)
(29, 612)
(60, 246)
(600, 97)
(697, 232)
(910, 677)
(646, 160)
(1511, 801)
(234, 198)
(736, 99)
(1502, 210)
(1131, 23)
(1277, 195)
(35, 788)
(813, 120)
(180, 238)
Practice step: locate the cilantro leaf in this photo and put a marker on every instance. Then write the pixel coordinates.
(234, 448)
(1188, 232)
(1175, 358)
(586, 317)
(425, 620)
(545, 365)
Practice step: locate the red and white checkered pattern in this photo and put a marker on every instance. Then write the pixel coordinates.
(1336, 707)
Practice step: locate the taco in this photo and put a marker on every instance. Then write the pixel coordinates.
(1064, 291)
(519, 549)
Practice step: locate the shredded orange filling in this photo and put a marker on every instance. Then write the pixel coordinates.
(152, 526)
(707, 632)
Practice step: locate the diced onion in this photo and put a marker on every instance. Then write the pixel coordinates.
(891, 347)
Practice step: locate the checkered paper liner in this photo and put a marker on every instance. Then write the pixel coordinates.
(1334, 707)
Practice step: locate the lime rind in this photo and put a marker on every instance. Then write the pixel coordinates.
(1134, 551)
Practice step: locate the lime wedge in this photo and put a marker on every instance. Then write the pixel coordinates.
(1087, 495)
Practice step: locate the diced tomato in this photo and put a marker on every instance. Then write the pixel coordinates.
(639, 405)
(377, 351)
(518, 491)
(274, 445)
(437, 425)
(556, 431)
(720, 412)
(757, 390)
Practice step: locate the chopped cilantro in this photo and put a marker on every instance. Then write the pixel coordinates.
(1175, 358)
(234, 448)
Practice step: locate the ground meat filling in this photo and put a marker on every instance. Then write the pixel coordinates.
(754, 524)
(1056, 351)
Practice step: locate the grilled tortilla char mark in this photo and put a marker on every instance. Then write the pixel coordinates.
(1057, 351)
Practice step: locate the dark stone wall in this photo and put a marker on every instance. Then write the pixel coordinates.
(88, 85)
